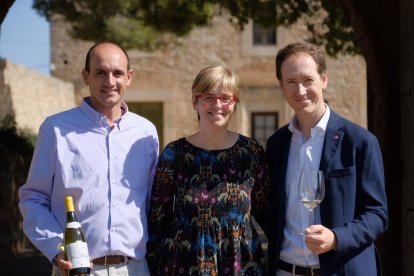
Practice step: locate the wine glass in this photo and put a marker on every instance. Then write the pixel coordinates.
(311, 190)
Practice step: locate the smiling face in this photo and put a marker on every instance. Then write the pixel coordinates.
(215, 113)
(303, 86)
(108, 77)
(215, 95)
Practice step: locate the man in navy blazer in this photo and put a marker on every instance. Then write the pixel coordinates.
(353, 212)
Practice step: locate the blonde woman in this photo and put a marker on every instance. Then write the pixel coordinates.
(206, 187)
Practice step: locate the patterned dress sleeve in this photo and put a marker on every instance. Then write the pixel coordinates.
(260, 192)
(161, 213)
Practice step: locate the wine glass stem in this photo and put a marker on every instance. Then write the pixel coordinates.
(310, 216)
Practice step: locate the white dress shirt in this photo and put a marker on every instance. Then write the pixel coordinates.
(304, 154)
(108, 172)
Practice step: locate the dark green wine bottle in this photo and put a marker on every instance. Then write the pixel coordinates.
(76, 247)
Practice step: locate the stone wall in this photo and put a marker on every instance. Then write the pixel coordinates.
(166, 75)
(32, 96)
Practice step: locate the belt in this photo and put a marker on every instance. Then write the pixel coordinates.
(111, 260)
(299, 270)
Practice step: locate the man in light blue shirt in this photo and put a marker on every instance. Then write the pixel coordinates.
(104, 157)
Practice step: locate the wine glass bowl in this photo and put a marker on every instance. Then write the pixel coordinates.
(311, 190)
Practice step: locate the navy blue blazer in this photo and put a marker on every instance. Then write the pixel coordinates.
(355, 204)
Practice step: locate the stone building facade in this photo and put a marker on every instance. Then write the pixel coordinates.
(31, 96)
(161, 87)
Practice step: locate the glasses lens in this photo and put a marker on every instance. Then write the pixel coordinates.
(226, 99)
(208, 99)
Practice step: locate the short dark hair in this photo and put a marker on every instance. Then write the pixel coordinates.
(300, 47)
(90, 52)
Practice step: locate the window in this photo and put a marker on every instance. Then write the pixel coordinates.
(258, 40)
(263, 36)
(264, 124)
(153, 111)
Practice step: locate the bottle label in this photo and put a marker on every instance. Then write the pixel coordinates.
(73, 224)
(77, 254)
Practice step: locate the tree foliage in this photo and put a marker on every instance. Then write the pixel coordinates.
(145, 23)
(4, 8)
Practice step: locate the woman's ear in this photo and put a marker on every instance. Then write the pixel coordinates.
(194, 100)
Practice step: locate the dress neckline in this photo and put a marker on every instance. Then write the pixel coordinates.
(213, 150)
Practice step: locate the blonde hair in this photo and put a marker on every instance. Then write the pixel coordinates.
(208, 78)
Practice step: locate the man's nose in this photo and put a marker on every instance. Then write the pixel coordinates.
(301, 89)
(110, 79)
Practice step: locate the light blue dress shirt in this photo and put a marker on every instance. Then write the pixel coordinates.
(109, 173)
(304, 154)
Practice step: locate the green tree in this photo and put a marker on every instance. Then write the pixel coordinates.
(378, 29)
(143, 23)
(4, 8)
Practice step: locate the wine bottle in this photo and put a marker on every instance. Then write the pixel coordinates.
(76, 247)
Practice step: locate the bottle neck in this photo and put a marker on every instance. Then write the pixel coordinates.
(71, 217)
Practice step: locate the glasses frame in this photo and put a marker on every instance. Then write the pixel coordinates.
(233, 99)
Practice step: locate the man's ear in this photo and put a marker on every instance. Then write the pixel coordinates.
(129, 75)
(325, 80)
(85, 76)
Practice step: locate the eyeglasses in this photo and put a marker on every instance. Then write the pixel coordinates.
(210, 99)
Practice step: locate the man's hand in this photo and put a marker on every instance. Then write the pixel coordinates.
(320, 239)
(63, 265)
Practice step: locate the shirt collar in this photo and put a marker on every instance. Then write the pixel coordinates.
(99, 118)
(320, 126)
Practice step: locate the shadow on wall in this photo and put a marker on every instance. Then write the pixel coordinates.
(17, 254)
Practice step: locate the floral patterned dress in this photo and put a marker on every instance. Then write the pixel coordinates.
(199, 219)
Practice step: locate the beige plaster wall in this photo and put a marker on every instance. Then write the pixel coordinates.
(32, 96)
